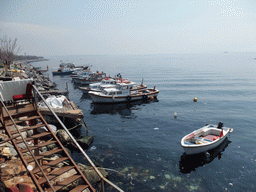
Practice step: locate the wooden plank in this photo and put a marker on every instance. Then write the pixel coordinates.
(28, 128)
(38, 146)
(19, 110)
(56, 173)
(69, 180)
(63, 114)
(48, 153)
(33, 137)
(31, 159)
(25, 119)
(22, 120)
(57, 161)
(62, 170)
(79, 188)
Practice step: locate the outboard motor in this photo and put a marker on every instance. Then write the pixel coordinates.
(220, 125)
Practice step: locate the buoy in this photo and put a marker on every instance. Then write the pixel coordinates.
(175, 115)
(195, 99)
(151, 98)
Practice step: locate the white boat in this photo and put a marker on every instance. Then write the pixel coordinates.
(205, 138)
(63, 71)
(92, 78)
(100, 86)
(82, 74)
(109, 83)
(123, 92)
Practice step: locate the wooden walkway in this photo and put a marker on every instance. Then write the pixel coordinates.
(30, 154)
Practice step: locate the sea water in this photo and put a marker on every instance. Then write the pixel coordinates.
(139, 143)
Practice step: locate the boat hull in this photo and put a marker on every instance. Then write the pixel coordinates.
(87, 89)
(84, 89)
(62, 73)
(86, 82)
(97, 98)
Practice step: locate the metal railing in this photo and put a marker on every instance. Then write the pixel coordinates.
(103, 179)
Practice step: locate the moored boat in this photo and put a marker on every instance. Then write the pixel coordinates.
(205, 138)
(100, 85)
(123, 92)
(64, 69)
(109, 83)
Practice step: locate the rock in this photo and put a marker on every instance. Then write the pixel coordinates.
(69, 152)
(91, 174)
(12, 168)
(8, 151)
(24, 187)
(86, 141)
(88, 172)
(44, 129)
(51, 147)
(19, 179)
(13, 128)
(63, 136)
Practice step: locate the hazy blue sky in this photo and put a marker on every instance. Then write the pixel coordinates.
(77, 27)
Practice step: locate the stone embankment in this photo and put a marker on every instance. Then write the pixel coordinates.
(12, 171)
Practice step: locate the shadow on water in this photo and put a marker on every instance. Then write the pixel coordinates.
(77, 85)
(124, 109)
(189, 163)
(86, 96)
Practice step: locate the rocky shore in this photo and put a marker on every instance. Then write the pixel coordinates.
(12, 171)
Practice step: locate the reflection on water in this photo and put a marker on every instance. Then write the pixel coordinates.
(76, 86)
(86, 96)
(189, 163)
(124, 109)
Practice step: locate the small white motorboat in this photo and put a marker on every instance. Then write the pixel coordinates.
(205, 138)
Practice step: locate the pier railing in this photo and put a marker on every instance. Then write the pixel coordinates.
(103, 179)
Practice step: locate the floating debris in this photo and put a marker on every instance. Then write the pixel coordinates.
(92, 148)
(167, 176)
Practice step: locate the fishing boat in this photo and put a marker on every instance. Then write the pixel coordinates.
(80, 75)
(205, 138)
(99, 86)
(92, 78)
(109, 83)
(64, 69)
(123, 92)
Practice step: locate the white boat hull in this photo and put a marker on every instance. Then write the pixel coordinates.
(98, 98)
(206, 145)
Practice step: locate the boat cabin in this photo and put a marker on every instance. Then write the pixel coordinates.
(112, 91)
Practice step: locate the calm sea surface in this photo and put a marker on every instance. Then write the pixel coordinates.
(143, 139)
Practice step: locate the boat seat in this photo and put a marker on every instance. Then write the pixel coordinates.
(210, 137)
(188, 143)
(26, 96)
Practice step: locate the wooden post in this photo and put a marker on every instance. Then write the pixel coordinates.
(67, 90)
